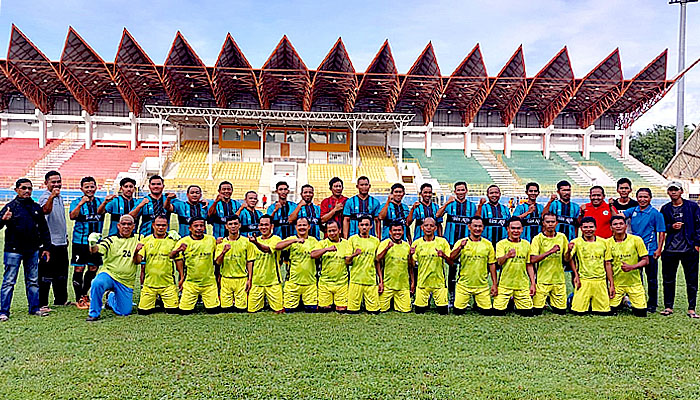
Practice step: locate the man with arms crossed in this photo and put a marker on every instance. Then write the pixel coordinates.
(430, 252)
(517, 278)
(477, 261)
(301, 276)
(396, 272)
(592, 267)
(333, 280)
(235, 255)
(549, 250)
(364, 269)
(629, 254)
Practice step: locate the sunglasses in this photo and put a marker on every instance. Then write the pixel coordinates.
(25, 188)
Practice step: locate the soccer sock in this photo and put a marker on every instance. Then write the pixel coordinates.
(185, 312)
(498, 312)
(89, 276)
(325, 309)
(615, 310)
(524, 313)
(537, 311)
(310, 309)
(353, 311)
(227, 309)
(482, 311)
(459, 311)
(213, 310)
(78, 284)
(145, 312)
(559, 311)
(172, 311)
(421, 310)
(442, 310)
(639, 312)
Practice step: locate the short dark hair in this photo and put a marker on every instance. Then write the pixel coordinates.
(267, 216)
(249, 192)
(460, 183)
(306, 186)
(589, 219)
(197, 218)
(425, 185)
(333, 181)
(622, 181)
(225, 183)
(397, 186)
(154, 177)
(644, 189)
(300, 218)
(530, 184)
(50, 174)
(365, 217)
(280, 183)
(616, 217)
(395, 222)
(126, 180)
(563, 183)
(161, 216)
(549, 214)
(87, 179)
(596, 187)
(476, 218)
(514, 219)
(492, 186)
(233, 217)
(332, 222)
(20, 181)
(362, 178)
(193, 186)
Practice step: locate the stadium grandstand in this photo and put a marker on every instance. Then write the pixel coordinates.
(199, 124)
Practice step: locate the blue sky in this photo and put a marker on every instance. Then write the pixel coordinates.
(590, 29)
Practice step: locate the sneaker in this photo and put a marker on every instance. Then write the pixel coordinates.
(4, 318)
(91, 319)
(627, 301)
(45, 309)
(40, 313)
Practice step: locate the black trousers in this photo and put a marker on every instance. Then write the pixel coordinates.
(669, 268)
(652, 273)
(54, 272)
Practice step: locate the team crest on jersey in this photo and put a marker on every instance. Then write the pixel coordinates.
(605, 212)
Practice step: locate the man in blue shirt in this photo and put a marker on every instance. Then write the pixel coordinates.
(648, 223)
(83, 211)
(222, 208)
(280, 211)
(194, 207)
(494, 215)
(360, 205)
(118, 205)
(153, 205)
(307, 209)
(567, 212)
(422, 209)
(394, 211)
(530, 212)
(459, 211)
(250, 217)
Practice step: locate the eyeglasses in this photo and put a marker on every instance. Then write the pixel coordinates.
(25, 188)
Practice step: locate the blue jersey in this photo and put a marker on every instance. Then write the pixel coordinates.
(356, 208)
(457, 218)
(249, 222)
(185, 211)
(422, 212)
(280, 219)
(224, 209)
(495, 218)
(116, 208)
(532, 223)
(149, 212)
(567, 217)
(88, 220)
(395, 213)
(312, 212)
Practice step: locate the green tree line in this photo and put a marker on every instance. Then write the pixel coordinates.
(657, 146)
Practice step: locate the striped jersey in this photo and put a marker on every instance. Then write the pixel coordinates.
(356, 208)
(116, 208)
(224, 209)
(495, 218)
(532, 223)
(185, 211)
(395, 213)
(567, 214)
(280, 219)
(457, 218)
(88, 220)
(422, 212)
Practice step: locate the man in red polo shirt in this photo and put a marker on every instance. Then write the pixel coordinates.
(332, 206)
(600, 211)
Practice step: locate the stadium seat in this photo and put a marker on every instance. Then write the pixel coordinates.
(103, 163)
(449, 166)
(26, 153)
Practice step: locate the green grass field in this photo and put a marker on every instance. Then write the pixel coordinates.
(348, 356)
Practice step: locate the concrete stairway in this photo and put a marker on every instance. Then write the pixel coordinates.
(498, 172)
(644, 171)
(575, 173)
(54, 159)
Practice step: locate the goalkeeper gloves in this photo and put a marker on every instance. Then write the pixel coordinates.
(174, 235)
(93, 238)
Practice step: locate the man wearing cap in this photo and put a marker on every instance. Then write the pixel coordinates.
(682, 219)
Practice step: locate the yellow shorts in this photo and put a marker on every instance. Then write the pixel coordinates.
(555, 292)
(594, 294)
(423, 297)
(294, 292)
(482, 296)
(332, 294)
(521, 297)
(402, 300)
(637, 295)
(168, 294)
(258, 294)
(233, 293)
(192, 291)
(357, 292)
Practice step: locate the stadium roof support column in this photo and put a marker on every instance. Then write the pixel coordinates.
(399, 126)
(468, 140)
(354, 125)
(587, 142)
(429, 140)
(4, 131)
(134, 130)
(211, 122)
(160, 146)
(88, 129)
(625, 143)
(42, 127)
(508, 141)
(546, 146)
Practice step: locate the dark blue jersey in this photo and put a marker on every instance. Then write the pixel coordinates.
(185, 211)
(395, 213)
(421, 213)
(224, 209)
(495, 218)
(149, 212)
(249, 222)
(532, 223)
(280, 219)
(457, 218)
(88, 220)
(312, 212)
(567, 217)
(116, 208)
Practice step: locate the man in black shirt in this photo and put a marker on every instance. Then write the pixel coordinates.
(624, 202)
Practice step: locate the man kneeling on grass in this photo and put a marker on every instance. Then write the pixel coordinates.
(235, 257)
(264, 280)
(195, 255)
(430, 252)
(333, 279)
(592, 267)
(517, 278)
(397, 272)
(364, 270)
(118, 271)
(629, 254)
(157, 272)
(301, 276)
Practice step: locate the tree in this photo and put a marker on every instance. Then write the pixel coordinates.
(656, 146)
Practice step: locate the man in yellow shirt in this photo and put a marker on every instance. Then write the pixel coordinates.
(264, 278)
(430, 252)
(629, 254)
(592, 266)
(396, 272)
(118, 271)
(550, 250)
(195, 255)
(364, 270)
(333, 279)
(235, 256)
(477, 260)
(301, 276)
(157, 271)
(517, 278)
